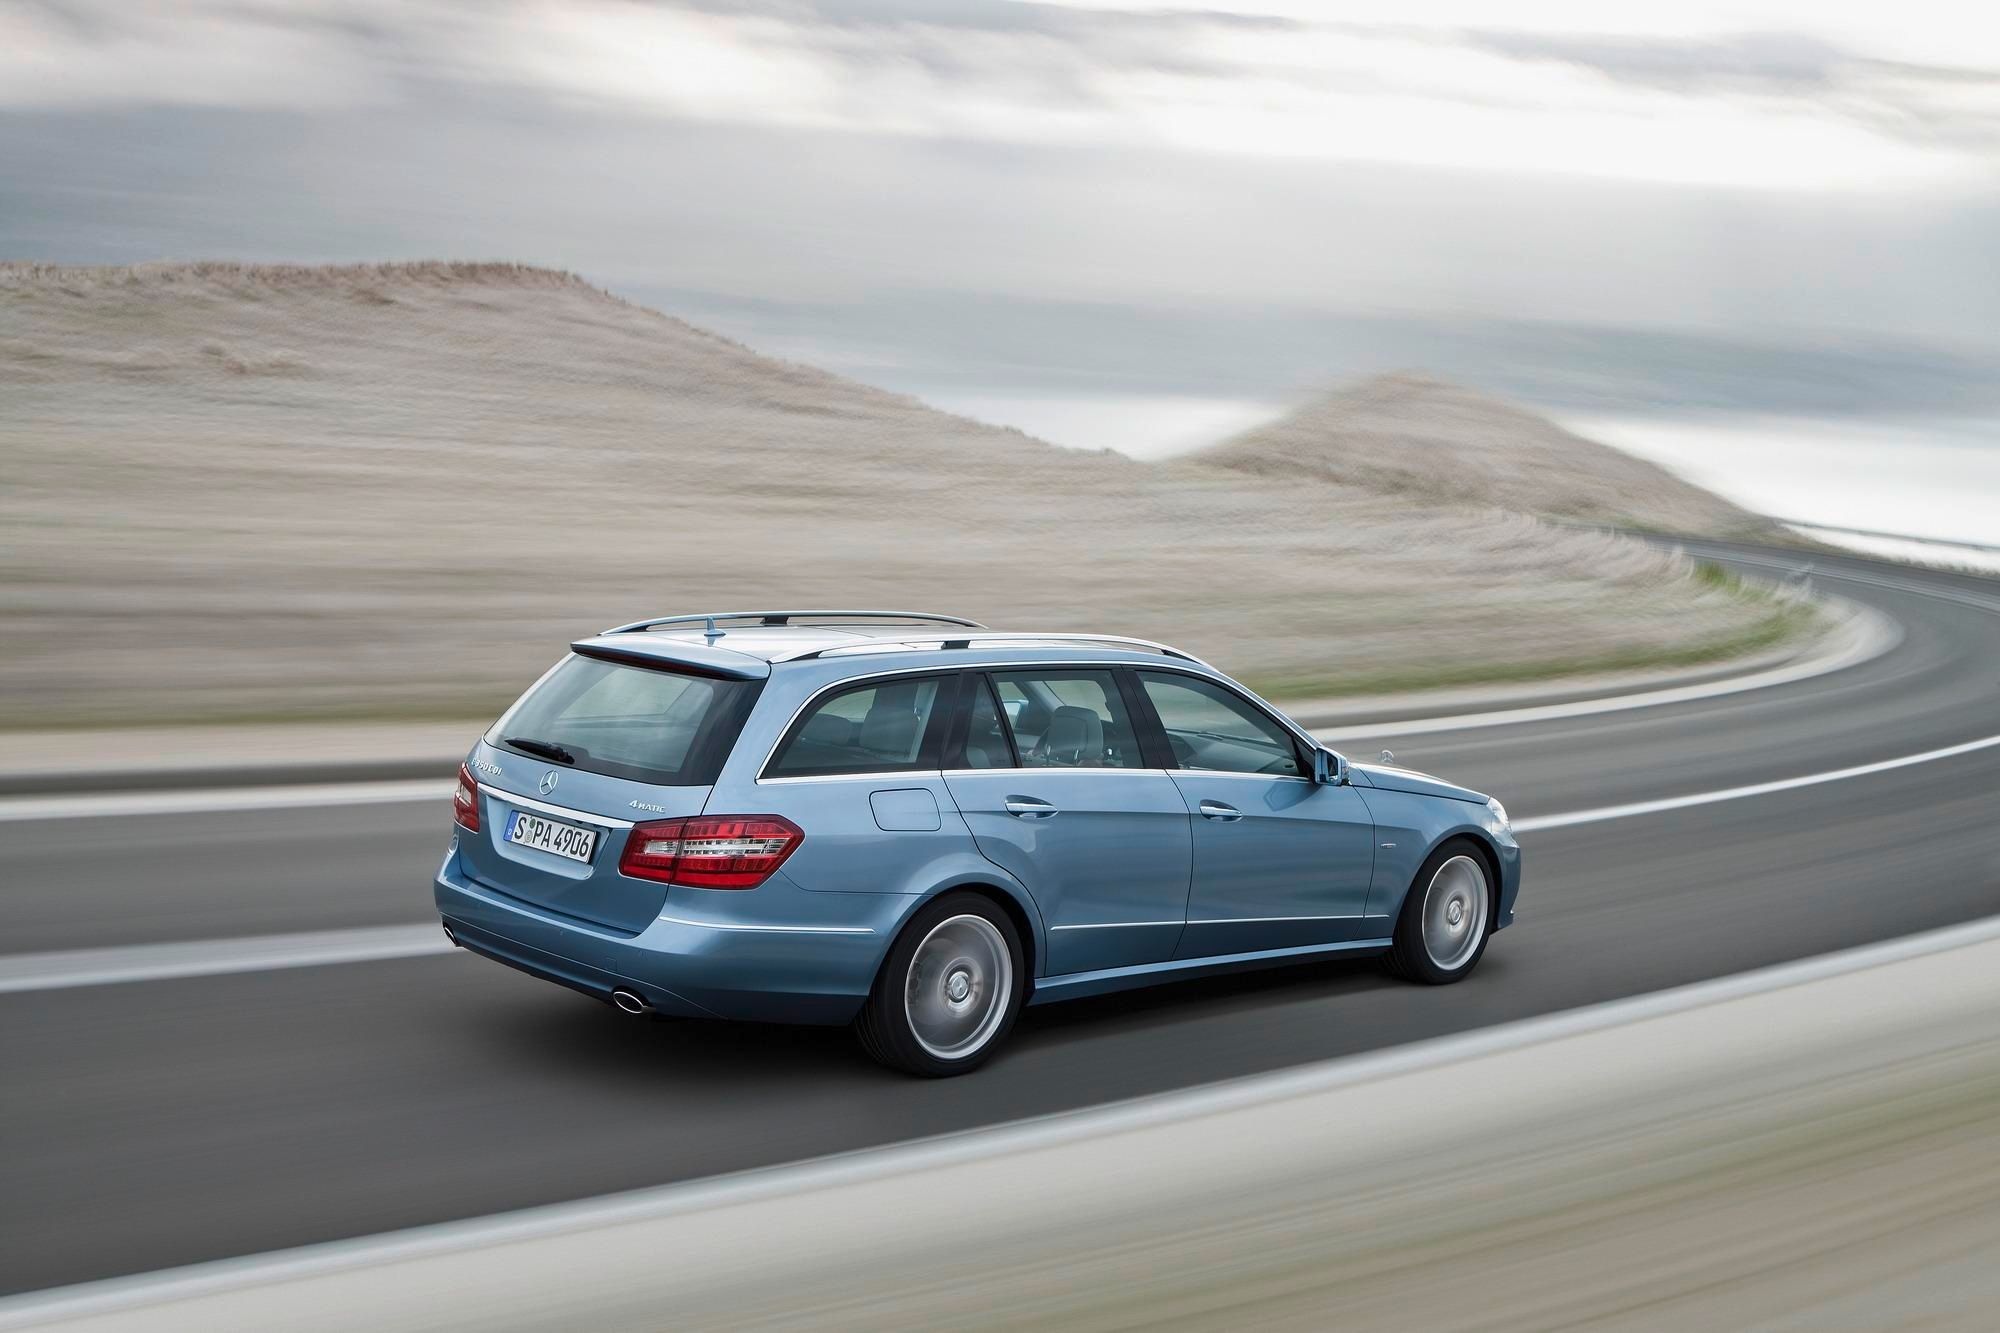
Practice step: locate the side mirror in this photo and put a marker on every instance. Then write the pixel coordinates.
(1329, 769)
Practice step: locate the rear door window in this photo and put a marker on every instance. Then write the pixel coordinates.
(874, 727)
(1067, 719)
(662, 726)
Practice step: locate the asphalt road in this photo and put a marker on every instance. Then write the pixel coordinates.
(153, 1124)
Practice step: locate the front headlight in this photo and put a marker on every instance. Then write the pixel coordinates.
(1499, 811)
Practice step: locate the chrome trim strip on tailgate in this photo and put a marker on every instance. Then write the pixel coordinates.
(560, 811)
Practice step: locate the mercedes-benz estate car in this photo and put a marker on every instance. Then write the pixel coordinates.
(916, 825)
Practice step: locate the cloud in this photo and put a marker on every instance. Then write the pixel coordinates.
(1782, 63)
(249, 54)
(1804, 74)
(1782, 109)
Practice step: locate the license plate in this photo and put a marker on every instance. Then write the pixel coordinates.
(548, 835)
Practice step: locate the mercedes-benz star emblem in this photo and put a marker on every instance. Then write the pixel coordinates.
(548, 782)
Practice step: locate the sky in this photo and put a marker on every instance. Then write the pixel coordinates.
(1779, 207)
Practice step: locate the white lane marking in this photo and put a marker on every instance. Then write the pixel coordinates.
(58, 970)
(205, 800)
(527, 1226)
(1601, 813)
(199, 958)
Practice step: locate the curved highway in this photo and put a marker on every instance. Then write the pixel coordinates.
(159, 1123)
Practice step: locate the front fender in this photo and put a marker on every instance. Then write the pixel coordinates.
(1408, 828)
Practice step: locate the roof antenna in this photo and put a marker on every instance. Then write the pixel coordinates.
(708, 629)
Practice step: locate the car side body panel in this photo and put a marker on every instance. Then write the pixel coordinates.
(1104, 982)
(1279, 863)
(1107, 864)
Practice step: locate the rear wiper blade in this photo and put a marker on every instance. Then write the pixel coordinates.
(546, 749)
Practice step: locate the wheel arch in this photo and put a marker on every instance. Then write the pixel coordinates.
(1489, 856)
(1025, 926)
(1010, 897)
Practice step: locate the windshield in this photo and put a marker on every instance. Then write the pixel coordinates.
(656, 725)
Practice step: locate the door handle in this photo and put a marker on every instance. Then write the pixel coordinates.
(1027, 807)
(1217, 810)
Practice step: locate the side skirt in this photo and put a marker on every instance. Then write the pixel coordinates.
(1075, 985)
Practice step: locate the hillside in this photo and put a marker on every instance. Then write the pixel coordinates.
(1440, 443)
(252, 492)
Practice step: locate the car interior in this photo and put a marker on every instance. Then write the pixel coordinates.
(1211, 729)
(617, 719)
(872, 728)
(1072, 720)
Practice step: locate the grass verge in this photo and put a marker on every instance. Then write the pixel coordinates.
(1786, 622)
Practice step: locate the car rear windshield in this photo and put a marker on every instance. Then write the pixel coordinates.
(658, 725)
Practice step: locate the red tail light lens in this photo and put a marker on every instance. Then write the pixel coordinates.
(710, 851)
(465, 801)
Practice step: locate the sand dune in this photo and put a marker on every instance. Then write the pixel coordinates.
(1441, 443)
(238, 492)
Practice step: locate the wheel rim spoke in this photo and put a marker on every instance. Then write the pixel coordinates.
(1454, 912)
(960, 982)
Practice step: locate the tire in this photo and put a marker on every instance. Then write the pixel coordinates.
(1447, 917)
(948, 992)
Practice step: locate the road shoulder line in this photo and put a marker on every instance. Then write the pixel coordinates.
(1867, 635)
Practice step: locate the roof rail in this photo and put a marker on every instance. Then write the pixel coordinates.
(709, 618)
(996, 639)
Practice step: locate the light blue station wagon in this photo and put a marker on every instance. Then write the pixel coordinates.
(917, 825)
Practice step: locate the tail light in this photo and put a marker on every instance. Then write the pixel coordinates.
(465, 801)
(710, 851)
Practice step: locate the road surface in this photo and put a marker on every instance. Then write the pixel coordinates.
(161, 1123)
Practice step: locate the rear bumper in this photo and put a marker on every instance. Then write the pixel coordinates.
(692, 962)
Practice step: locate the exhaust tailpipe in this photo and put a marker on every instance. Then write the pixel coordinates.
(630, 1003)
(453, 938)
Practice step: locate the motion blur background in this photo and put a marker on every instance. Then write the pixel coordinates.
(1753, 240)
